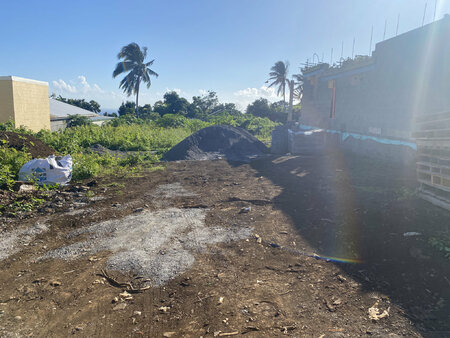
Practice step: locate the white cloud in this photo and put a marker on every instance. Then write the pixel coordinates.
(63, 86)
(246, 96)
(80, 88)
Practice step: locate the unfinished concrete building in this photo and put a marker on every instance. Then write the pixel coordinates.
(393, 104)
(406, 76)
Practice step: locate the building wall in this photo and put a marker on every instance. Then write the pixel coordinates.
(6, 101)
(31, 105)
(408, 75)
(25, 102)
(59, 124)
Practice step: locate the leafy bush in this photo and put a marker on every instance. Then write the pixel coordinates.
(441, 243)
(125, 133)
(78, 120)
(11, 161)
(172, 121)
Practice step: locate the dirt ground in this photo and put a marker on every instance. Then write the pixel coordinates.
(326, 245)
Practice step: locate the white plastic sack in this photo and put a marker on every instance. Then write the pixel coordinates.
(50, 170)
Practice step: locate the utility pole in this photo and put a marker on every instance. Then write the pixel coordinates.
(398, 22)
(370, 46)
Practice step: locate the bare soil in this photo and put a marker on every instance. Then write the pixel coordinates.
(33, 145)
(309, 215)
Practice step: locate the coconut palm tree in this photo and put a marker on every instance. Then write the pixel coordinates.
(133, 61)
(298, 89)
(278, 76)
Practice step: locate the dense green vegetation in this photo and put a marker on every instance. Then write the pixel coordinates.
(146, 140)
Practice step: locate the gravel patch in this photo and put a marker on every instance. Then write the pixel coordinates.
(12, 242)
(172, 190)
(158, 245)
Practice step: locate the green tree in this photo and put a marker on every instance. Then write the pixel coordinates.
(133, 61)
(78, 120)
(260, 107)
(127, 108)
(204, 105)
(92, 105)
(278, 77)
(145, 112)
(173, 104)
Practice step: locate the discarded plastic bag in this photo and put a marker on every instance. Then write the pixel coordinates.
(50, 170)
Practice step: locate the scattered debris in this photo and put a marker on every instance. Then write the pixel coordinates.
(226, 334)
(169, 334)
(411, 234)
(164, 308)
(126, 296)
(376, 314)
(26, 188)
(220, 301)
(120, 306)
(341, 278)
(55, 283)
(250, 328)
(245, 210)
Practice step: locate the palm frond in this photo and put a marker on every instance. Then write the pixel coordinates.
(133, 61)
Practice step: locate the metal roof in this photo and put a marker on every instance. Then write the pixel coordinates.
(60, 110)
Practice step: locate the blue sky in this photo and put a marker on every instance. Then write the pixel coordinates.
(227, 46)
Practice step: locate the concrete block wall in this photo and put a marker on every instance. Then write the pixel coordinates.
(24, 101)
(408, 75)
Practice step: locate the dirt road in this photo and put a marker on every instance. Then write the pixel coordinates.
(283, 246)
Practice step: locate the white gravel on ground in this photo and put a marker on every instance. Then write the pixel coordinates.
(13, 241)
(158, 245)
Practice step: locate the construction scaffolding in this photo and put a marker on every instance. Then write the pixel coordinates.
(432, 134)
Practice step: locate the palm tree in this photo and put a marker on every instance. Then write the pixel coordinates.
(133, 61)
(278, 76)
(291, 86)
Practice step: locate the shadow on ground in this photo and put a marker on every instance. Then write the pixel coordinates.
(356, 209)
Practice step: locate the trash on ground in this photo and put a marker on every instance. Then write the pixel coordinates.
(376, 314)
(164, 308)
(245, 210)
(50, 170)
(411, 234)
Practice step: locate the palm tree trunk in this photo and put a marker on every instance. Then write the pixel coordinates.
(291, 100)
(137, 97)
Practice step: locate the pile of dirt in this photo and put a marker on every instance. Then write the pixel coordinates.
(217, 142)
(34, 146)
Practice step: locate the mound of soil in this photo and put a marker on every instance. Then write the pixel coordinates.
(34, 146)
(216, 142)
